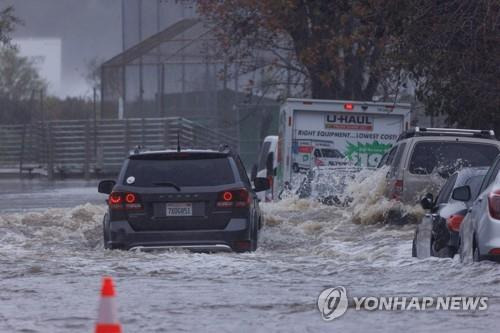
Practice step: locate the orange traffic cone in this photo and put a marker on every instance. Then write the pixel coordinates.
(107, 321)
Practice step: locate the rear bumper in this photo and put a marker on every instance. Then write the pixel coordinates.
(122, 236)
(487, 237)
(196, 248)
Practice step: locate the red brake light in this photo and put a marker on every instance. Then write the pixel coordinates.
(494, 204)
(495, 252)
(397, 190)
(227, 196)
(130, 198)
(454, 221)
(243, 198)
(115, 198)
(233, 198)
(348, 106)
(127, 201)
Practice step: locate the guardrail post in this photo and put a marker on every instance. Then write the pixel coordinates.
(166, 130)
(127, 137)
(50, 152)
(86, 163)
(23, 148)
(143, 133)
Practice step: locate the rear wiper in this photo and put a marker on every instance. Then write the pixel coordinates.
(168, 184)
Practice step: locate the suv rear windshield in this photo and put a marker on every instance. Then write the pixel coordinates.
(211, 171)
(447, 157)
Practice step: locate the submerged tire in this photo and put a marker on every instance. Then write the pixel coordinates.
(445, 252)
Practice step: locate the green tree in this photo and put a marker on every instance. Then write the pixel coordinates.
(18, 75)
(92, 74)
(452, 49)
(7, 24)
(339, 47)
(20, 84)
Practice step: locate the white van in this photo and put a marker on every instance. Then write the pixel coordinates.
(308, 154)
(266, 164)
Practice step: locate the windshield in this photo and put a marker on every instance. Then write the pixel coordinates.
(446, 157)
(263, 155)
(331, 153)
(199, 172)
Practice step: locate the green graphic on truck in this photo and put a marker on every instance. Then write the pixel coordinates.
(366, 153)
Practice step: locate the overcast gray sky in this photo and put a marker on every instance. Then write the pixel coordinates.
(87, 29)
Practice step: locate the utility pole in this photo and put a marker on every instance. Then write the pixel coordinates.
(94, 105)
(141, 83)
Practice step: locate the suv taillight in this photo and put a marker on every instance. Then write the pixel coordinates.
(494, 204)
(124, 200)
(397, 190)
(239, 198)
(454, 221)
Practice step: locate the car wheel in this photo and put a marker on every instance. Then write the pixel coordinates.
(295, 168)
(444, 252)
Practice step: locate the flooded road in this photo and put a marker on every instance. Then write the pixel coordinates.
(52, 261)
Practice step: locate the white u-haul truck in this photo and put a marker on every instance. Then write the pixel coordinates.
(331, 133)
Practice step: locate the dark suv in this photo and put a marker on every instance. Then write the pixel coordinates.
(196, 199)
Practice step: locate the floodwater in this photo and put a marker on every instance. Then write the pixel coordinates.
(52, 261)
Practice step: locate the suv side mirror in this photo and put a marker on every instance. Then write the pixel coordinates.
(270, 164)
(427, 201)
(253, 173)
(261, 184)
(106, 186)
(461, 193)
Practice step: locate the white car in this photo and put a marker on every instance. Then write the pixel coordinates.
(480, 230)
(266, 165)
(328, 157)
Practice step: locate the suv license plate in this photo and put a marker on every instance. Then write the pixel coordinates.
(180, 209)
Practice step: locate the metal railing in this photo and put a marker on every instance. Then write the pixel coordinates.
(93, 147)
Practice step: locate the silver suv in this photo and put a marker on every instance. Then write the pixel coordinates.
(423, 158)
(480, 230)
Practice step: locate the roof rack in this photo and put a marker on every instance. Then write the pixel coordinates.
(431, 131)
(138, 149)
(224, 148)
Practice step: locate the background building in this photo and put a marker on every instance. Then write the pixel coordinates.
(170, 67)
